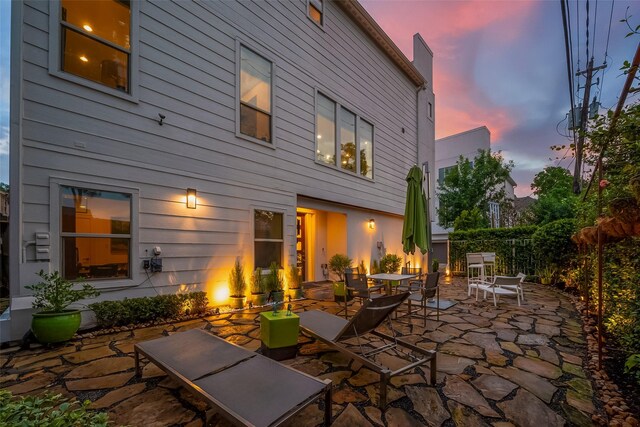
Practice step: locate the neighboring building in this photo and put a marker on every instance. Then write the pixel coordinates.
(448, 152)
(295, 122)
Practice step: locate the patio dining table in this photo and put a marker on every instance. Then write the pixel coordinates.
(389, 278)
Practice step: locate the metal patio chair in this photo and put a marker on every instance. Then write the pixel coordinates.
(334, 330)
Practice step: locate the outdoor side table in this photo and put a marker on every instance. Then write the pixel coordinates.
(279, 334)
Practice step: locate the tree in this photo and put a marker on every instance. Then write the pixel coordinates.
(556, 200)
(4, 187)
(473, 185)
(470, 220)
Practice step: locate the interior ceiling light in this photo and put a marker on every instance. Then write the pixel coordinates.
(84, 58)
(87, 27)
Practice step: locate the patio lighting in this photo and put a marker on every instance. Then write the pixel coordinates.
(372, 223)
(192, 199)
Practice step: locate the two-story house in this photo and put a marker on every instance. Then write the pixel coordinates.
(196, 132)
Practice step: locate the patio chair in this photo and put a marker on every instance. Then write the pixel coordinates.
(242, 386)
(516, 286)
(359, 288)
(475, 272)
(414, 284)
(500, 286)
(489, 262)
(428, 290)
(334, 330)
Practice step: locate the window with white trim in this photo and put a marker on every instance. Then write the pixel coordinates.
(256, 77)
(95, 231)
(338, 128)
(268, 238)
(95, 41)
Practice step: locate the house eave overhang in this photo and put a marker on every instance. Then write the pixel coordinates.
(355, 10)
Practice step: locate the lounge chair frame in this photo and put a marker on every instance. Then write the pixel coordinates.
(386, 304)
(227, 411)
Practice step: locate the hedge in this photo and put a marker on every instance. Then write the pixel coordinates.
(148, 309)
(513, 248)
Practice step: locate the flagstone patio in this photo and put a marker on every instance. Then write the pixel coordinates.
(499, 366)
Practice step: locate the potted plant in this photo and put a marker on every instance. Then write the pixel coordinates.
(362, 269)
(55, 322)
(435, 265)
(375, 268)
(338, 264)
(295, 282)
(258, 294)
(274, 283)
(390, 263)
(547, 275)
(237, 286)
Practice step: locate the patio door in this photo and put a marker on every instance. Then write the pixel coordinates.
(301, 257)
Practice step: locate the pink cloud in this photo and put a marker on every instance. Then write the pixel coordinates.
(453, 30)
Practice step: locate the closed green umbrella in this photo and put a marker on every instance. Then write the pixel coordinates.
(414, 229)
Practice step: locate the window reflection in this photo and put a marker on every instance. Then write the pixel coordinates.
(255, 95)
(347, 140)
(96, 233)
(96, 41)
(326, 130)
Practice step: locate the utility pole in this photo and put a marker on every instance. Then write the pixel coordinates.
(584, 116)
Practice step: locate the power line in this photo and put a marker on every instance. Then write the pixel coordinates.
(587, 28)
(606, 53)
(595, 26)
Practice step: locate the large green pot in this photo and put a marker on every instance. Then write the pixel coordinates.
(51, 327)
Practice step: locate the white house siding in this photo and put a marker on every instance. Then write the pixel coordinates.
(67, 132)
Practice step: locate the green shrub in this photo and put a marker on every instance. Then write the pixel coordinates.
(294, 277)
(54, 293)
(553, 243)
(513, 248)
(338, 264)
(257, 282)
(48, 411)
(237, 283)
(148, 309)
(435, 265)
(274, 280)
(390, 263)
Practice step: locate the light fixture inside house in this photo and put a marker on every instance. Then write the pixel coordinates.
(372, 223)
(87, 27)
(82, 205)
(84, 58)
(319, 136)
(192, 199)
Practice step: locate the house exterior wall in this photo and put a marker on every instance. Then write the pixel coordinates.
(65, 133)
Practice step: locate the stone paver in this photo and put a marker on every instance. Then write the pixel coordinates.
(499, 366)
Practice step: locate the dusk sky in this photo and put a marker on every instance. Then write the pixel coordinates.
(497, 63)
(502, 64)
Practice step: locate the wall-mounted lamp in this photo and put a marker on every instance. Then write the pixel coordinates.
(192, 200)
(372, 223)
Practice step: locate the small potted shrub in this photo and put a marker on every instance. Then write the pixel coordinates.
(237, 286)
(547, 275)
(295, 282)
(362, 269)
(55, 322)
(274, 283)
(375, 268)
(338, 264)
(390, 263)
(435, 265)
(258, 294)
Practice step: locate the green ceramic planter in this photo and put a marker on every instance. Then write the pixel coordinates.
(277, 296)
(258, 299)
(50, 327)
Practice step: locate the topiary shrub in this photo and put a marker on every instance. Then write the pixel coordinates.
(390, 263)
(48, 410)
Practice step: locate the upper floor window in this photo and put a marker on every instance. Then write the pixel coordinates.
(96, 233)
(316, 11)
(255, 95)
(354, 134)
(95, 41)
(442, 173)
(269, 238)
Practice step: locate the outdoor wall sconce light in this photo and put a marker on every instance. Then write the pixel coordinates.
(192, 200)
(372, 223)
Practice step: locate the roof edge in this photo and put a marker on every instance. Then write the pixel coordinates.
(357, 12)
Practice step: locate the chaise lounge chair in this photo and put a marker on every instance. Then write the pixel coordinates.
(242, 386)
(334, 330)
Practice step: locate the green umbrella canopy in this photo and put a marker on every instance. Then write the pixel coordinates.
(414, 229)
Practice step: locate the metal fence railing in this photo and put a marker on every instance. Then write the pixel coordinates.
(513, 256)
